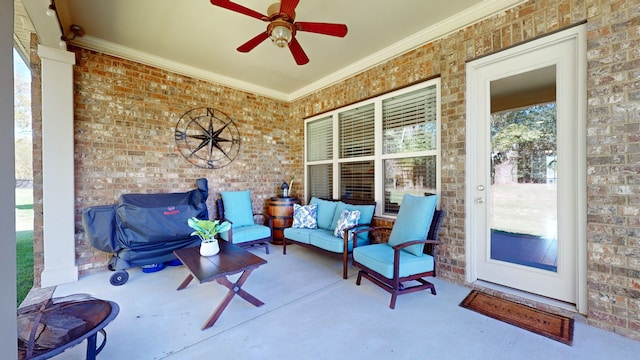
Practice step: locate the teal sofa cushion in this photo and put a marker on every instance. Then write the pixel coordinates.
(413, 221)
(324, 239)
(379, 258)
(299, 234)
(237, 208)
(247, 233)
(326, 210)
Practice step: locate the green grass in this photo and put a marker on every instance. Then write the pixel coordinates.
(24, 242)
(24, 261)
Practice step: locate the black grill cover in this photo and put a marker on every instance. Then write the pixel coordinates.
(99, 224)
(144, 229)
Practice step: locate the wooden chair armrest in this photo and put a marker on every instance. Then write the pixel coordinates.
(409, 243)
(366, 228)
(265, 216)
(369, 228)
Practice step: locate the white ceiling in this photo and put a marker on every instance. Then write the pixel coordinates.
(198, 39)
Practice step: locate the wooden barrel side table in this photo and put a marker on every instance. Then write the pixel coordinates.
(281, 211)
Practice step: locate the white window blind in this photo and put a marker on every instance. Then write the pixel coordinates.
(357, 180)
(320, 139)
(397, 134)
(409, 122)
(357, 132)
(320, 181)
(411, 175)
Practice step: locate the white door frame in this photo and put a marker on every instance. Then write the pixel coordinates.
(471, 166)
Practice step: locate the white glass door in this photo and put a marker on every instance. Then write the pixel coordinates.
(524, 185)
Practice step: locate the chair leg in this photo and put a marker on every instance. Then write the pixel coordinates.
(266, 247)
(394, 296)
(344, 268)
(359, 278)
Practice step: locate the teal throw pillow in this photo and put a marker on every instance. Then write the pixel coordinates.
(413, 221)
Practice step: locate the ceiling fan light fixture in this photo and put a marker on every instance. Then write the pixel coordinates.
(281, 35)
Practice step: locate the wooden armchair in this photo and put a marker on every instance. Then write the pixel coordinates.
(403, 258)
(235, 207)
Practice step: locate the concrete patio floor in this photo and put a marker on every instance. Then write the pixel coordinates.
(310, 312)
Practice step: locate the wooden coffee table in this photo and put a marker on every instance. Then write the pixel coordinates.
(231, 259)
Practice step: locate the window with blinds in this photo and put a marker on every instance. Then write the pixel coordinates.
(397, 134)
(357, 137)
(409, 122)
(357, 180)
(320, 139)
(320, 181)
(414, 175)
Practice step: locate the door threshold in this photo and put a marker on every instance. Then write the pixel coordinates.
(565, 307)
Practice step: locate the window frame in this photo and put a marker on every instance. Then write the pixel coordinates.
(378, 158)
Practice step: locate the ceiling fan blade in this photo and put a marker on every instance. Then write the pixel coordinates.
(240, 9)
(339, 30)
(298, 54)
(251, 44)
(289, 7)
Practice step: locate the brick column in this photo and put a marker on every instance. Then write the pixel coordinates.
(57, 166)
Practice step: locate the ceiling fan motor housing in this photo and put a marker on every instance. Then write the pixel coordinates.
(281, 32)
(274, 10)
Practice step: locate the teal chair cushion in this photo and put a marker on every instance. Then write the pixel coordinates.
(326, 210)
(413, 221)
(247, 233)
(237, 208)
(379, 258)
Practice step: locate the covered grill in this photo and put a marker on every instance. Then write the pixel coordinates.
(144, 229)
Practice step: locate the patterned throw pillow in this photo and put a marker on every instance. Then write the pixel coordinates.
(347, 219)
(305, 217)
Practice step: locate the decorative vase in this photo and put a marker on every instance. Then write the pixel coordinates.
(209, 248)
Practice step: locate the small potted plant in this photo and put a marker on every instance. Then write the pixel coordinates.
(207, 230)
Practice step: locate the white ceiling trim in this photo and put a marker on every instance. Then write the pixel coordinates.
(462, 19)
(469, 16)
(107, 47)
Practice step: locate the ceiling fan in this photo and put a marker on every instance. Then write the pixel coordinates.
(282, 27)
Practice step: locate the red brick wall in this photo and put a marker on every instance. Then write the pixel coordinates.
(125, 114)
(613, 135)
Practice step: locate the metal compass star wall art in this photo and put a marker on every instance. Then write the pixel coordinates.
(207, 138)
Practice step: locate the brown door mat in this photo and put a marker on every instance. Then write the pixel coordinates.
(553, 326)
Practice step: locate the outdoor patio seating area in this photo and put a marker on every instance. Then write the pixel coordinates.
(310, 312)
